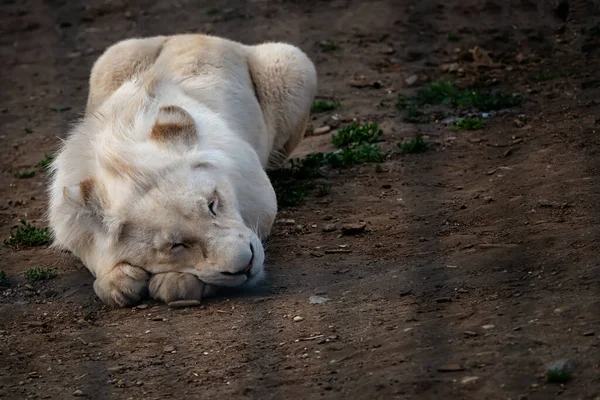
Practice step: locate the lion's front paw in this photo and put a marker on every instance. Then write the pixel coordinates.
(125, 285)
(173, 286)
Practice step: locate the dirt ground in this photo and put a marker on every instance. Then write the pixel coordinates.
(480, 256)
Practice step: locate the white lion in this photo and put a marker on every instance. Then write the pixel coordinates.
(162, 185)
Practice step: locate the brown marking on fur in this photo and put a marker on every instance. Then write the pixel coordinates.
(118, 167)
(174, 124)
(87, 189)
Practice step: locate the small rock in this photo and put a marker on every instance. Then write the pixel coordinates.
(589, 333)
(353, 229)
(411, 80)
(321, 130)
(327, 218)
(329, 228)
(168, 349)
(388, 50)
(469, 379)
(50, 293)
(287, 221)
(298, 318)
(78, 393)
(139, 383)
(142, 306)
(471, 333)
(488, 326)
(450, 368)
(386, 186)
(453, 67)
(519, 123)
(560, 371)
(184, 303)
(488, 199)
(443, 300)
(360, 82)
(317, 300)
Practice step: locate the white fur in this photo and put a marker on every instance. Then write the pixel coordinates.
(247, 103)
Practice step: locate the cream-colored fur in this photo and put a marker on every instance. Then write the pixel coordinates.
(162, 185)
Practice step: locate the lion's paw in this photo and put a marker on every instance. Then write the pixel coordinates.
(125, 285)
(173, 286)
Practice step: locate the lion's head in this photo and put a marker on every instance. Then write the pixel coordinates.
(171, 196)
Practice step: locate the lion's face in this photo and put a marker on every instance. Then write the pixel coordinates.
(189, 222)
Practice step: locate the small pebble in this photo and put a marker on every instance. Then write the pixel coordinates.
(488, 326)
(470, 333)
(317, 299)
(184, 303)
(168, 349)
(469, 379)
(78, 393)
(329, 228)
(353, 229)
(443, 300)
(298, 318)
(590, 333)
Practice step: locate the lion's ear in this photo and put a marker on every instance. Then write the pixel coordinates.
(174, 125)
(86, 195)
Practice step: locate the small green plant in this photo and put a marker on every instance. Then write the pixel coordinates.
(328, 47)
(212, 11)
(40, 274)
(28, 130)
(347, 157)
(446, 93)
(468, 124)
(45, 162)
(416, 145)
(453, 37)
(355, 134)
(26, 235)
(25, 173)
(324, 106)
(3, 279)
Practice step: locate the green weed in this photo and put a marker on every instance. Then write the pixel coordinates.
(3, 279)
(453, 37)
(348, 157)
(468, 124)
(355, 134)
(40, 274)
(46, 161)
(324, 106)
(416, 145)
(293, 184)
(26, 235)
(446, 93)
(212, 11)
(25, 173)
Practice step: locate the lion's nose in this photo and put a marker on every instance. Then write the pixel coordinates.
(243, 263)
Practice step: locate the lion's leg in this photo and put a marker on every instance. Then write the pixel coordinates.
(119, 63)
(285, 83)
(123, 285)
